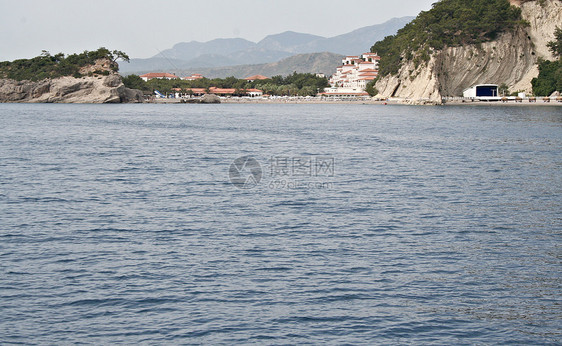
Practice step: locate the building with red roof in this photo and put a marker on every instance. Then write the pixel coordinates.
(194, 76)
(256, 77)
(352, 76)
(158, 75)
(222, 92)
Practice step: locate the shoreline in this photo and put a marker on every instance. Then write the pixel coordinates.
(552, 103)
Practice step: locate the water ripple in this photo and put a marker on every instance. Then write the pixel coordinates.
(119, 225)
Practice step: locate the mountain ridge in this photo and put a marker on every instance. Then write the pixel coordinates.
(324, 62)
(238, 51)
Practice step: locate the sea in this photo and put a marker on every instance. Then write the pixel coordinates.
(280, 224)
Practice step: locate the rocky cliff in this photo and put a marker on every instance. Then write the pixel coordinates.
(510, 59)
(93, 89)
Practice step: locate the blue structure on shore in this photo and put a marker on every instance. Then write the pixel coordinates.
(486, 92)
(159, 94)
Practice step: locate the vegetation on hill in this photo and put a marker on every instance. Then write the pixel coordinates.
(58, 65)
(550, 72)
(296, 84)
(449, 23)
(300, 84)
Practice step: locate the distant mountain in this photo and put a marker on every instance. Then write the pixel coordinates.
(288, 41)
(149, 65)
(191, 50)
(237, 51)
(258, 56)
(302, 63)
(357, 41)
(243, 57)
(209, 60)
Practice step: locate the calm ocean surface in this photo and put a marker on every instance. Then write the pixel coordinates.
(359, 224)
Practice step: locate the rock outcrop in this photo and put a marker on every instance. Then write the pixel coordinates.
(210, 98)
(510, 59)
(94, 89)
(207, 98)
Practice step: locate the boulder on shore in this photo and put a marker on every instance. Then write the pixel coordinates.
(210, 98)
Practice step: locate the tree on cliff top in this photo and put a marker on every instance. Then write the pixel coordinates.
(117, 54)
(449, 23)
(58, 65)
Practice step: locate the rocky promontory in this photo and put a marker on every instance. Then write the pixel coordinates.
(89, 89)
(88, 77)
(510, 59)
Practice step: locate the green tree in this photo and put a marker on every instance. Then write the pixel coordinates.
(549, 79)
(503, 89)
(370, 89)
(117, 54)
(135, 82)
(556, 46)
(230, 82)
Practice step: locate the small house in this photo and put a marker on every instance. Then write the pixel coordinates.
(482, 92)
(254, 92)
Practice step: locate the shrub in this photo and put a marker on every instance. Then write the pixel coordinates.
(549, 79)
(370, 89)
(135, 82)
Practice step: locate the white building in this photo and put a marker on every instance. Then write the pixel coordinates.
(354, 74)
(488, 92)
(254, 92)
(156, 75)
(194, 76)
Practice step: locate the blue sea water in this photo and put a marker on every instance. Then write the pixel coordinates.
(365, 225)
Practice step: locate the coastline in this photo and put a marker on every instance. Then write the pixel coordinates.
(552, 103)
(506, 104)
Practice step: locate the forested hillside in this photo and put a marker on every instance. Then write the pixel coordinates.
(449, 23)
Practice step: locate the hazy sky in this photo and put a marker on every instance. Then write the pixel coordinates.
(141, 27)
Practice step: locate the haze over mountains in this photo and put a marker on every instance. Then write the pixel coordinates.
(325, 63)
(215, 56)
